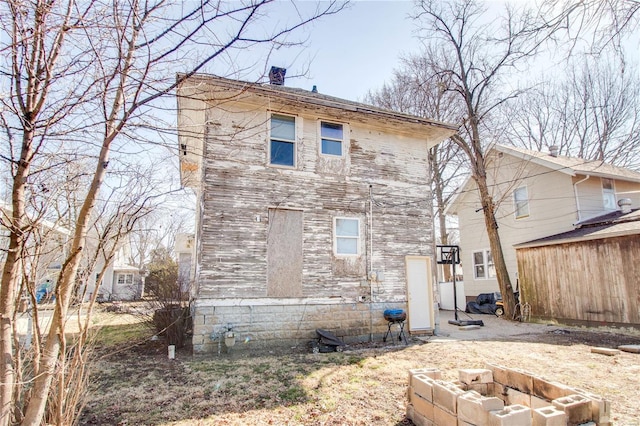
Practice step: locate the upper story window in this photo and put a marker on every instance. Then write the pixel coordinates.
(483, 266)
(521, 202)
(346, 236)
(608, 194)
(282, 141)
(331, 136)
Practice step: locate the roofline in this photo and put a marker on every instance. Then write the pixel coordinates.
(325, 100)
(536, 160)
(614, 234)
(563, 169)
(459, 192)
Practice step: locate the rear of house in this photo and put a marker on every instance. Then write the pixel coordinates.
(313, 212)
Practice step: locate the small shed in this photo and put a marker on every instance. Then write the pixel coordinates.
(588, 276)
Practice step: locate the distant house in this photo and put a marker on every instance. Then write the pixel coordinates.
(313, 212)
(588, 276)
(121, 281)
(184, 249)
(539, 194)
(44, 252)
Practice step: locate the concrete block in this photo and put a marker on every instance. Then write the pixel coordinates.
(423, 407)
(481, 388)
(520, 380)
(515, 397)
(423, 386)
(511, 415)
(463, 423)
(499, 373)
(498, 390)
(475, 408)
(548, 416)
(433, 373)
(416, 418)
(539, 403)
(443, 417)
(605, 351)
(600, 407)
(445, 395)
(474, 376)
(549, 390)
(634, 349)
(576, 407)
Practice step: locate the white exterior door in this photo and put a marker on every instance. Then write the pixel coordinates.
(419, 293)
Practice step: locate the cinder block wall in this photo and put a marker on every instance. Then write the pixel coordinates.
(258, 326)
(500, 396)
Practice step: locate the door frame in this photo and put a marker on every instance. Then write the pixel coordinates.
(429, 274)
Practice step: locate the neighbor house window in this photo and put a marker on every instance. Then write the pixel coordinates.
(347, 236)
(483, 267)
(608, 194)
(125, 279)
(282, 143)
(521, 202)
(331, 138)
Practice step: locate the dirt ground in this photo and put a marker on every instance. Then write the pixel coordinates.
(364, 385)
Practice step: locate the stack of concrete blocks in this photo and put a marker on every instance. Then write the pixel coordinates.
(500, 396)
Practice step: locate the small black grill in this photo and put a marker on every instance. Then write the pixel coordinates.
(397, 317)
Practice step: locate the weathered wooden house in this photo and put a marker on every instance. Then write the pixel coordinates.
(538, 194)
(589, 276)
(313, 212)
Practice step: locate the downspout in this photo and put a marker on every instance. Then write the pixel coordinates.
(370, 263)
(575, 192)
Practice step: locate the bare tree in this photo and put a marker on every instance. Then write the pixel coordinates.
(593, 112)
(600, 24)
(475, 55)
(83, 78)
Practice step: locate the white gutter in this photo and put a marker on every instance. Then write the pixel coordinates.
(575, 191)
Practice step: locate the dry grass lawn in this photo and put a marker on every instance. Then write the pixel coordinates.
(364, 385)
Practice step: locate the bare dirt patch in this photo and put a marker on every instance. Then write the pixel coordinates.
(365, 385)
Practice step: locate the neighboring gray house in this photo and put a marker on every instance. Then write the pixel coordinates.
(538, 194)
(313, 212)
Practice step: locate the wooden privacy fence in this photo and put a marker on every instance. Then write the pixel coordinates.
(590, 282)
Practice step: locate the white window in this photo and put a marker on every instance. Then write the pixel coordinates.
(608, 194)
(331, 137)
(125, 279)
(346, 236)
(521, 202)
(483, 267)
(282, 141)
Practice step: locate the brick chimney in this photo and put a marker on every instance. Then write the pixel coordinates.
(276, 76)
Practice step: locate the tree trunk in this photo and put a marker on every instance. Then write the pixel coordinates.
(64, 290)
(10, 276)
(502, 275)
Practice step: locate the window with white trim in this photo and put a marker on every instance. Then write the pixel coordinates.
(346, 236)
(608, 194)
(282, 140)
(521, 202)
(125, 279)
(331, 137)
(483, 266)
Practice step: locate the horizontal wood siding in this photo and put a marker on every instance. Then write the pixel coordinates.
(239, 189)
(592, 281)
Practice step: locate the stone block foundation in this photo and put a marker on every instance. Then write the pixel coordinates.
(259, 323)
(509, 397)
